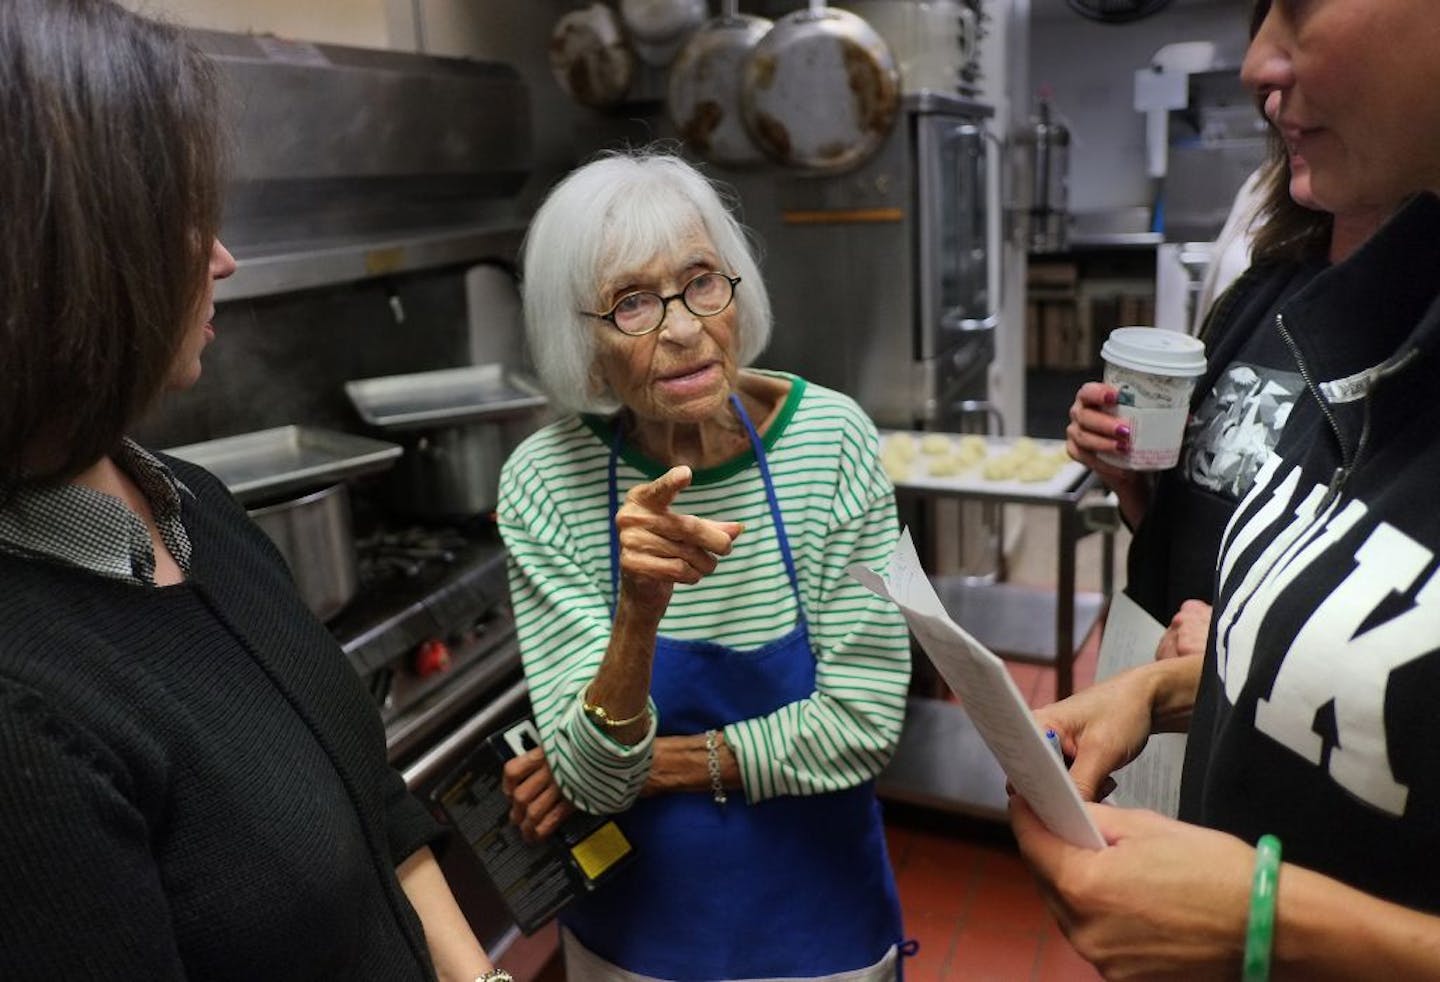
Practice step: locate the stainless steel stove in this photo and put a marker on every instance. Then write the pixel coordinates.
(430, 629)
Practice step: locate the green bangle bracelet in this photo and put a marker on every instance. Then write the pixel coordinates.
(1260, 930)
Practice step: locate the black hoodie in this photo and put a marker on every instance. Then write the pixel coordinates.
(1238, 411)
(1315, 718)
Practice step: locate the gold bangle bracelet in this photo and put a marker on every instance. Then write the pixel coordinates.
(602, 716)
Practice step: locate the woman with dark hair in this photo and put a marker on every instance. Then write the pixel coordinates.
(192, 780)
(1238, 411)
(1312, 782)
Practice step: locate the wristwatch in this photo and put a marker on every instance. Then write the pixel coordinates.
(495, 975)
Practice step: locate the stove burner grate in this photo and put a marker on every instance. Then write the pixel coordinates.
(405, 552)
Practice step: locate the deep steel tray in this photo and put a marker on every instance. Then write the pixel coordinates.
(270, 464)
(425, 400)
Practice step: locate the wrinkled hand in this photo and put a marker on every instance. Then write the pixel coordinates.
(536, 804)
(1188, 631)
(1093, 431)
(660, 548)
(1101, 729)
(1165, 900)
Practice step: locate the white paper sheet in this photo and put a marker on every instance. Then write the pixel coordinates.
(1151, 780)
(988, 694)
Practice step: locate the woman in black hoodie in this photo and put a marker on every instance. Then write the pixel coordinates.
(1310, 712)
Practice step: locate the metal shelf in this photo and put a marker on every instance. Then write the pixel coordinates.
(1115, 240)
(1016, 622)
(1069, 614)
(942, 763)
(290, 266)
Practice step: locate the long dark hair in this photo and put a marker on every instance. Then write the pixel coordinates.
(109, 203)
(1285, 231)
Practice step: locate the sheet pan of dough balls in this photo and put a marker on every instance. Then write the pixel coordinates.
(971, 462)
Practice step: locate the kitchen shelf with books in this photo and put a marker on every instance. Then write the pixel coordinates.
(1072, 305)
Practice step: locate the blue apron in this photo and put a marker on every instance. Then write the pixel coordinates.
(794, 886)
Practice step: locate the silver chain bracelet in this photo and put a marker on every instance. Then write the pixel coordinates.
(712, 764)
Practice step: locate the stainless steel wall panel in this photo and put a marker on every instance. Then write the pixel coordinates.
(319, 111)
(879, 277)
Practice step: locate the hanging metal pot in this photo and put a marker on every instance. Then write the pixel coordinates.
(656, 55)
(658, 28)
(661, 21)
(704, 90)
(589, 57)
(821, 90)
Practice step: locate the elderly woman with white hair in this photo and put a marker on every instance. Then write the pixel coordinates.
(700, 663)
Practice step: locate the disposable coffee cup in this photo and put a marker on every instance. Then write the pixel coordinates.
(1155, 372)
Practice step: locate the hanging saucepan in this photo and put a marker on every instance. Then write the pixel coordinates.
(658, 28)
(589, 58)
(821, 90)
(704, 89)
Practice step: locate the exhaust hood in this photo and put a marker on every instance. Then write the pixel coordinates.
(349, 163)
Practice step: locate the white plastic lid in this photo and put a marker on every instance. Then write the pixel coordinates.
(1154, 350)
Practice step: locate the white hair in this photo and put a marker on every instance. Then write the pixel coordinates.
(625, 207)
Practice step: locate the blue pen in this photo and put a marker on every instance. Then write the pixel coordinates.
(1053, 738)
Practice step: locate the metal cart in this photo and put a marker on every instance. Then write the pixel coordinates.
(941, 761)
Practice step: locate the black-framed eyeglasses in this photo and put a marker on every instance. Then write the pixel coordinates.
(643, 312)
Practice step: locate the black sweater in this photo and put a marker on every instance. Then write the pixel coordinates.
(192, 778)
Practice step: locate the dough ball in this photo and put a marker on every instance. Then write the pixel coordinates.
(935, 444)
(1038, 468)
(896, 469)
(1024, 448)
(969, 458)
(946, 466)
(900, 445)
(974, 447)
(1001, 468)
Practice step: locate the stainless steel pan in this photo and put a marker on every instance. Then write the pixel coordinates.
(458, 426)
(589, 58)
(658, 28)
(313, 534)
(821, 90)
(661, 21)
(704, 88)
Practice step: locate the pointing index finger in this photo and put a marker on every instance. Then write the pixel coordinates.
(662, 492)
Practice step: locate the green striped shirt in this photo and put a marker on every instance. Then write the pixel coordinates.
(839, 508)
